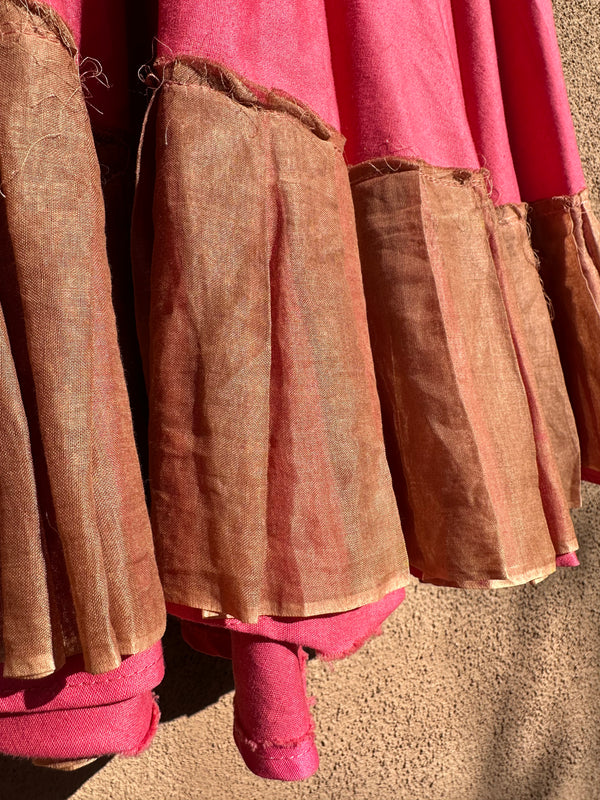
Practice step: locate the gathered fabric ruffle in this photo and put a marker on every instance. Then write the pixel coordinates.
(352, 372)
(275, 301)
(249, 364)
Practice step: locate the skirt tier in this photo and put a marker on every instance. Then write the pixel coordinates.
(351, 361)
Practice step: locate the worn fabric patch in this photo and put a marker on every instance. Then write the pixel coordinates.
(479, 476)
(566, 234)
(271, 494)
(77, 566)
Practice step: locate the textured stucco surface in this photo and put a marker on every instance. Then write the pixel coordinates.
(467, 696)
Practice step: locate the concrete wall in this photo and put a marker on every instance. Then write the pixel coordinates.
(466, 696)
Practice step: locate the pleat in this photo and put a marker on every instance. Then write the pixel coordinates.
(56, 299)
(566, 234)
(21, 538)
(482, 91)
(536, 106)
(554, 500)
(556, 437)
(270, 488)
(398, 81)
(479, 494)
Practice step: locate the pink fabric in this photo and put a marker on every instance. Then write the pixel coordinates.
(126, 727)
(540, 126)
(482, 91)
(398, 81)
(273, 728)
(72, 12)
(72, 714)
(475, 83)
(567, 560)
(331, 635)
(281, 44)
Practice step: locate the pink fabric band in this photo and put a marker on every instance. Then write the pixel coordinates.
(126, 727)
(331, 635)
(476, 83)
(273, 728)
(73, 714)
(567, 560)
(283, 44)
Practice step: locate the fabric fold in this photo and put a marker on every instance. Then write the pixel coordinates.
(271, 494)
(566, 234)
(91, 585)
(476, 471)
(273, 727)
(71, 716)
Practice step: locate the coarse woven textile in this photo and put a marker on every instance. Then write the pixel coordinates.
(271, 493)
(479, 431)
(72, 715)
(273, 729)
(566, 234)
(78, 573)
(454, 94)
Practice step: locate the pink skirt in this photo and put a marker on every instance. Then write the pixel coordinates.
(366, 275)
(339, 199)
(367, 292)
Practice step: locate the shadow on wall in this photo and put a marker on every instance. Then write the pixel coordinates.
(205, 680)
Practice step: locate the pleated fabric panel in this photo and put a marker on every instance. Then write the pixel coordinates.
(532, 311)
(270, 488)
(566, 234)
(479, 478)
(80, 574)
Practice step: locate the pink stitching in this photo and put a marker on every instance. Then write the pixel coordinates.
(289, 743)
(256, 752)
(286, 758)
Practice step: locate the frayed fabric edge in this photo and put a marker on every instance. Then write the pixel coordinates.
(50, 19)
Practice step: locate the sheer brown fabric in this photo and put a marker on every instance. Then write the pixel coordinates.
(558, 431)
(76, 558)
(459, 334)
(566, 234)
(270, 488)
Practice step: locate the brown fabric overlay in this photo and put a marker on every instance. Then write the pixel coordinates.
(479, 433)
(559, 432)
(78, 572)
(271, 493)
(566, 234)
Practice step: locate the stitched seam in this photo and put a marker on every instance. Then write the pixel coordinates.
(306, 738)
(286, 758)
(114, 679)
(256, 107)
(45, 23)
